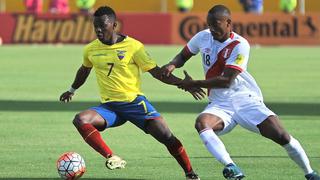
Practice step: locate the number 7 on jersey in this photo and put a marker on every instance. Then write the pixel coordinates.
(110, 66)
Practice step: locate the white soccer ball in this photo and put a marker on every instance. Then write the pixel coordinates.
(71, 166)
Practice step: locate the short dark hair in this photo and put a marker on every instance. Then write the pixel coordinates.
(220, 9)
(105, 10)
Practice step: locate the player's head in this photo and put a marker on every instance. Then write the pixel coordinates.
(104, 22)
(219, 22)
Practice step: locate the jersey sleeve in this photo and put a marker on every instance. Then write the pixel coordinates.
(142, 58)
(239, 57)
(86, 61)
(194, 44)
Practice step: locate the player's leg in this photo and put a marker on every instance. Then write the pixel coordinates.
(208, 125)
(145, 116)
(160, 131)
(89, 123)
(271, 128)
(255, 116)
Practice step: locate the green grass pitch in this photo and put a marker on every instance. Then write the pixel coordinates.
(35, 129)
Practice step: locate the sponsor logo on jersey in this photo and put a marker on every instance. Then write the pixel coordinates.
(207, 50)
(239, 59)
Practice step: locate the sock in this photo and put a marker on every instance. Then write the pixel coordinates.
(215, 146)
(92, 136)
(298, 155)
(180, 154)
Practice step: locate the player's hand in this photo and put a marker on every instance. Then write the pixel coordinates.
(66, 96)
(187, 83)
(197, 93)
(167, 70)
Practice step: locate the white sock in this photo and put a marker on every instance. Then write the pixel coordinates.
(215, 146)
(297, 154)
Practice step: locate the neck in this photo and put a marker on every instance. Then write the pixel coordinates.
(113, 39)
(225, 37)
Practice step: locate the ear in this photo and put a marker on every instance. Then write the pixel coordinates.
(115, 25)
(229, 22)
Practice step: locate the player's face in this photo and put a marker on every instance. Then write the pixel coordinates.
(104, 27)
(220, 26)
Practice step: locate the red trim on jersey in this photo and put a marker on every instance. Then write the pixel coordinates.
(231, 35)
(234, 67)
(186, 52)
(217, 68)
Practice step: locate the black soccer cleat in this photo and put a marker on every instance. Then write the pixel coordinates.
(313, 176)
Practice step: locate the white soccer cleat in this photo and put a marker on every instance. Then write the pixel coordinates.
(115, 162)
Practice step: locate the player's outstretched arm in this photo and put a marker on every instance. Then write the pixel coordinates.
(178, 61)
(196, 92)
(81, 76)
(223, 81)
(171, 79)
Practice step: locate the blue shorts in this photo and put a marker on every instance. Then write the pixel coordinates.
(138, 112)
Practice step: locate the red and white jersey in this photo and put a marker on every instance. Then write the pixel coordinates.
(216, 56)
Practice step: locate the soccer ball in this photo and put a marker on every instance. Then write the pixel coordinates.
(71, 166)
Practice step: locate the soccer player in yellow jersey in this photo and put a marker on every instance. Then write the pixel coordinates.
(117, 60)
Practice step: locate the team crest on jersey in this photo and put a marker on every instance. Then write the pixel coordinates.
(120, 54)
(226, 53)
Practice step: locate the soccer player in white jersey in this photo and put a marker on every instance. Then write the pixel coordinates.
(234, 96)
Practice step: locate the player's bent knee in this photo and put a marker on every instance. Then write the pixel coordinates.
(166, 137)
(198, 125)
(76, 121)
(208, 121)
(80, 119)
(202, 123)
(283, 138)
(169, 140)
(159, 131)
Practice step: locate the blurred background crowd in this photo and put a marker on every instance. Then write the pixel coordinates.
(86, 6)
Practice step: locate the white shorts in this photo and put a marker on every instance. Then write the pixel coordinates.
(247, 111)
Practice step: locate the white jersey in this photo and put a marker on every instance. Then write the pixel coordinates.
(232, 53)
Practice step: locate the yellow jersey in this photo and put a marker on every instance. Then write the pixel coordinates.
(118, 67)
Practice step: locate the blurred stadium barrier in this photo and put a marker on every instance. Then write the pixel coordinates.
(160, 28)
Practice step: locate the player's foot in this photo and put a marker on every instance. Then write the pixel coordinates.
(232, 171)
(312, 176)
(192, 176)
(115, 162)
